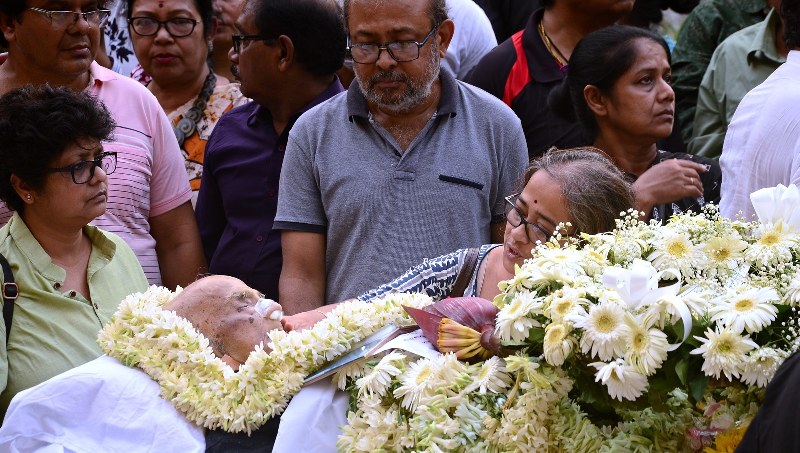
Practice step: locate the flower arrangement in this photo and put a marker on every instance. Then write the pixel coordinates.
(646, 338)
(204, 388)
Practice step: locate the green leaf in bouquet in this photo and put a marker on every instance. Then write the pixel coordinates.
(536, 335)
(697, 386)
(682, 370)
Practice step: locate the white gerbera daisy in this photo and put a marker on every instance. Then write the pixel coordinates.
(747, 309)
(514, 320)
(419, 378)
(377, 379)
(622, 380)
(603, 330)
(559, 264)
(676, 250)
(761, 366)
(558, 344)
(724, 252)
(564, 302)
(595, 260)
(647, 346)
(724, 351)
(697, 299)
(774, 243)
(491, 376)
(424, 378)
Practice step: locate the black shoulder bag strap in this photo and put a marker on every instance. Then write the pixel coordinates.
(464, 275)
(10, 292)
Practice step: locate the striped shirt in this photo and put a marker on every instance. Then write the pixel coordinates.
(150, 178)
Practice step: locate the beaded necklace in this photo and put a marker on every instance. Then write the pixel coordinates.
(552, 49)
(188, 122)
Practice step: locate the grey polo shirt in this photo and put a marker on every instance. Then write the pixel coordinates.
(383, 210)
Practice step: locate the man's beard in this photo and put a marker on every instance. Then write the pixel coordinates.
(415, 93)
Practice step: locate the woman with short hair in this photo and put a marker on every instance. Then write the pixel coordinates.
(70, 276)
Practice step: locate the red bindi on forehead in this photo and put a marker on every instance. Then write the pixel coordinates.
(535, 201)
(160, 4)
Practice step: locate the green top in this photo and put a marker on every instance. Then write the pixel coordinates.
(706, 26)
(739, 64)
(53, 331)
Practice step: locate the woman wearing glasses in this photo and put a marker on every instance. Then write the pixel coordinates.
(70, 276)
(172, 40)
(578, 185)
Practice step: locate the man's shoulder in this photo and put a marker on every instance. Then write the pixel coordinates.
(481, 104)
(334, 108)
(111, 82)
(738, 44)
(494, 65)
(239, 113)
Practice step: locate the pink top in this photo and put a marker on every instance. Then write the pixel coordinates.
(150, 178)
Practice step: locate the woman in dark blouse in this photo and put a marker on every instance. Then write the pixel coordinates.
(618, 87)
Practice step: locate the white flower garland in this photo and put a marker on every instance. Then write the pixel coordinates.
(205, 389)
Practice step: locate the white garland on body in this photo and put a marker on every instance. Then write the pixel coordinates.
(209, 392)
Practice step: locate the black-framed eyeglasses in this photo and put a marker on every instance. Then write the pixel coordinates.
(63, 19)
(400, 51)
(239, 39)
(82, 171)
(177, 27)
(533, 231)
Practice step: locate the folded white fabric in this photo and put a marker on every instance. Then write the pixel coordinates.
(311, 422)
(102, 405)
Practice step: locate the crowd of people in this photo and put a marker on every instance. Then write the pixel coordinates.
(316, 150)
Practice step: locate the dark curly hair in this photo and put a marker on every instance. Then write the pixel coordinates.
(37, 124)
(15, 8)
(790, 15)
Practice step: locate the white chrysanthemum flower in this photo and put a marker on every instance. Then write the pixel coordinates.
(603, 330)
(558, 344)
(750, 309)
(380, 377)
(514, 320)
(761, 366)
(724, 351)
(676, 250)
(621, 379)
(492, 376)
(647, 346)
(774, 243)
(724, 252)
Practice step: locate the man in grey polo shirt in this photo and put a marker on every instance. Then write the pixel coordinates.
(408, 164)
